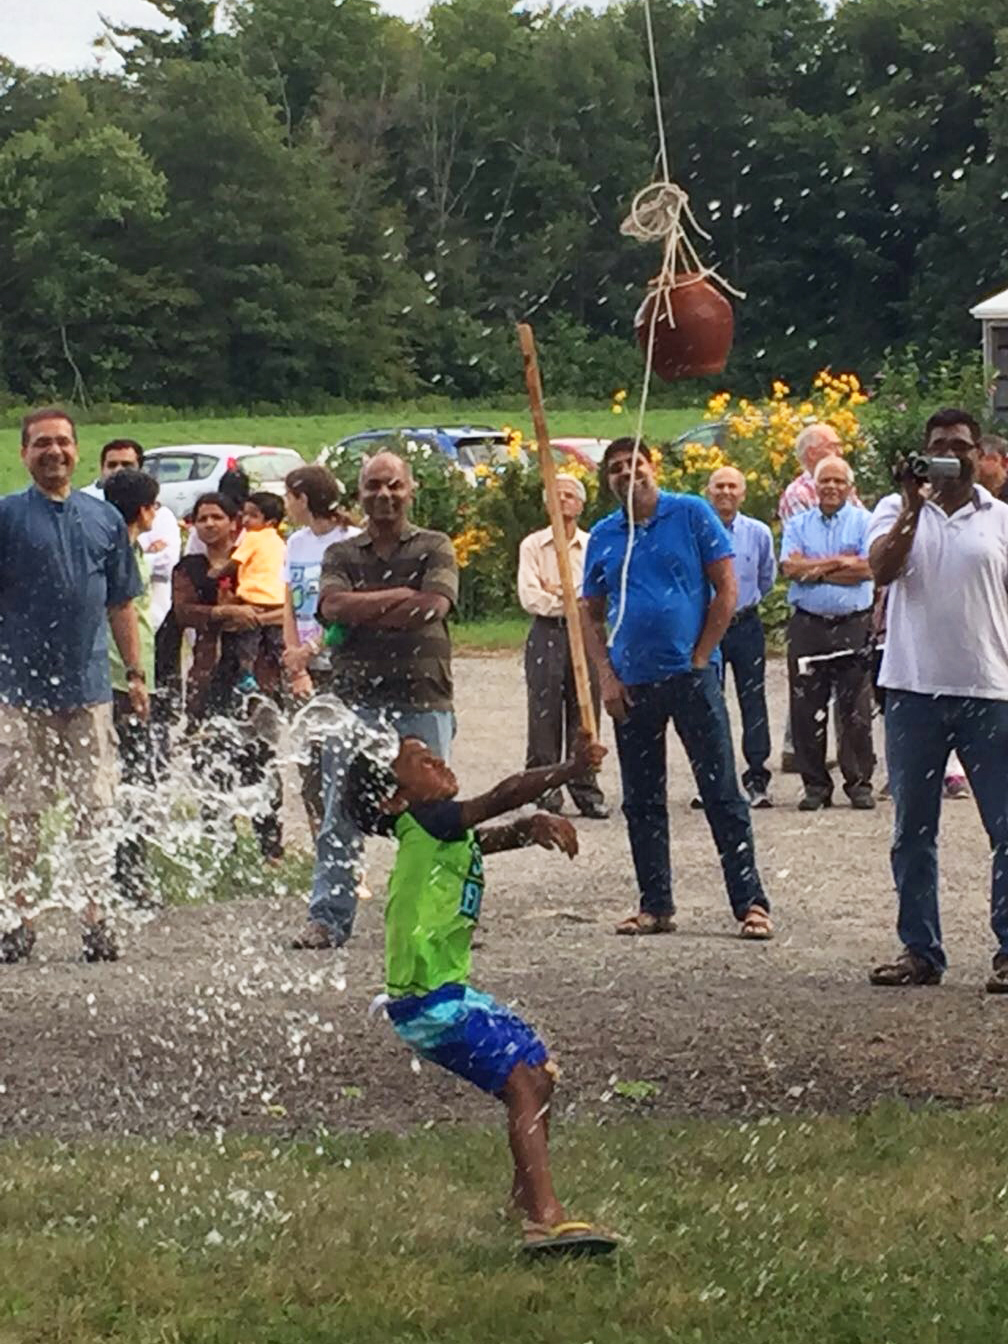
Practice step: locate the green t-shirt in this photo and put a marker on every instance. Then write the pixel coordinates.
(435, 893)
(144, 620)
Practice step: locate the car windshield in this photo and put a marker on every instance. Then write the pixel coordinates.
(482, 452)
(270, 465)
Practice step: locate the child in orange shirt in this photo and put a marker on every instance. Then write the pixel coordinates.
(257, 566)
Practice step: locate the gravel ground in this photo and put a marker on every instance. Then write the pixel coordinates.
(210, 1021)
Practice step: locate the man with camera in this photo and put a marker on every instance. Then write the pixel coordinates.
(941, 547)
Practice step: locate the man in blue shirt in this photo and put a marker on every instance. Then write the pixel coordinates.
(824, 552)
(743, 647)
(660, 663)
(67, 573)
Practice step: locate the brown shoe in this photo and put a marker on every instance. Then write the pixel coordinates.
(643, 923)
(16, 944)
(907, 969)
(314, 937)
(99, 943)
(997, 981)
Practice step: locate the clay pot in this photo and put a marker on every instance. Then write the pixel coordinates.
(699, 342)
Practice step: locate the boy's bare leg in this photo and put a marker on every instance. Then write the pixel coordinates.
(526, 1095)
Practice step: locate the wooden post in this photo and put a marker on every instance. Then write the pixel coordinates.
(547, 469)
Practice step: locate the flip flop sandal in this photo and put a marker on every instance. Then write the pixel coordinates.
(756, 924)
(637, 925)
(570, 1238)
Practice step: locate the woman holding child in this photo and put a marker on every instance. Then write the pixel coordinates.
(203, 600)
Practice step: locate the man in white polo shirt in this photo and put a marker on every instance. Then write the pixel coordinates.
(943, 551)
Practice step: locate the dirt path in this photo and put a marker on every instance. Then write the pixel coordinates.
(210, 1021)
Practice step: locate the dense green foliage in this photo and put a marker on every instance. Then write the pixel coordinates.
(296, 200)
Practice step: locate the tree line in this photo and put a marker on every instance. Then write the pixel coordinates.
(293, 200)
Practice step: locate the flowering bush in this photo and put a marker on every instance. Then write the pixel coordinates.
(759, 438)
(488, 519)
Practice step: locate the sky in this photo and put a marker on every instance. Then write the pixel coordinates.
(57, 34)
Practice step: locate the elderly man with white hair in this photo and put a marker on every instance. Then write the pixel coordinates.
(824, 552)
(553, 717)
(813, 444)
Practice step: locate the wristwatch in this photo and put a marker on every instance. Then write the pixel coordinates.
(136, 674)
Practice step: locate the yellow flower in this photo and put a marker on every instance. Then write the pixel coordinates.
(616, 408)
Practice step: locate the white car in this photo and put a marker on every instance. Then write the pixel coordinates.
(189, 470)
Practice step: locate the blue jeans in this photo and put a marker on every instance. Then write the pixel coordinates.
(339, 845)
(921, 730)
(743, 649)
(695, 703)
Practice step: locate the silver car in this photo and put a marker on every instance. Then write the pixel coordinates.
(186, 471)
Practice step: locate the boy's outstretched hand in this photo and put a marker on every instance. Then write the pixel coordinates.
(553, 833)
(588, 753)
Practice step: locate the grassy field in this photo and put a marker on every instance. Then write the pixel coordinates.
(888, 1228)
(310, 433)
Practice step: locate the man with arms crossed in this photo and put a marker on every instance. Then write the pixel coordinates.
(390, 589)
(67, 574)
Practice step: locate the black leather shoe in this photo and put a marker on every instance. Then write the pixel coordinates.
(595, 812)
(812, 802)
(551, 802)
(863, 799)
(16, 944)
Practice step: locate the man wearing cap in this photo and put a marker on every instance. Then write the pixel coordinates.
(553, 717)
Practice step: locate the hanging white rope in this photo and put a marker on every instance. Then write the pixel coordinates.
(660, 212)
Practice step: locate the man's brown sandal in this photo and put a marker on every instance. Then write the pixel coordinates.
(756, 925)
(643, 923)
(907, 969)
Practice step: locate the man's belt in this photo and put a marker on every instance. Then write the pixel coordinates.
(833, 620)
(553, 620)
(743, 614)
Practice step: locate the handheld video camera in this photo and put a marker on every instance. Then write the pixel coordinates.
(921, 468)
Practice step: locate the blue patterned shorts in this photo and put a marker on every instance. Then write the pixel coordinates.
(468, 1033)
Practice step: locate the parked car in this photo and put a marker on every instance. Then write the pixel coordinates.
(585, 452)
(463, 446)
(189, 470)
(711, 434)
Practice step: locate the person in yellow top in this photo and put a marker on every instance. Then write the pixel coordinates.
(257, 568)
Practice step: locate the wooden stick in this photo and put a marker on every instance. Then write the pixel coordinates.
(547, 469)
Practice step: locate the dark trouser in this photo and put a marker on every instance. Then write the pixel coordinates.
(849, 679)
(136, 755)
(311, 787)
(553, 717)
(695, 703)
(229, 765)
(267, 640)
(743, 649)
(921, 730)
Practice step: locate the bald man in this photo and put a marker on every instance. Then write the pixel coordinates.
(824, 552)
(390, 589)
(743, 647)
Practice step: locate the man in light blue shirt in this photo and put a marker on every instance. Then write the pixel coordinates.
(743, 646)
(824, 552)
(667, 593)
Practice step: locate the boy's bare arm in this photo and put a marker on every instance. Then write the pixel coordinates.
(517, 790)
(550, 832)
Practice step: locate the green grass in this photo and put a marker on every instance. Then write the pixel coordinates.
(309, 433)
(888, 1228)
(491, 636)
